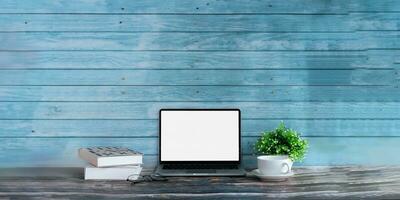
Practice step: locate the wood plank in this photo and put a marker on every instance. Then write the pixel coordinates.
(149, 128)
(79, 128)
(196, 41)
(201, 23)
(197, 60)
(186, 41)
(22, 152)
(200, 93)
(384, 77)
(175, 6)
(326, 127)
(375, 57)
(338, 145)
(197, 6)
(173, 22)
(346, 182)
(149, 110)
(376, 21)
(373, 6)
(307, 183)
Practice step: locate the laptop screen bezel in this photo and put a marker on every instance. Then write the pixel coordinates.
(233, 162)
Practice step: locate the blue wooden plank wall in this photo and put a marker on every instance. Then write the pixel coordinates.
(79, 73)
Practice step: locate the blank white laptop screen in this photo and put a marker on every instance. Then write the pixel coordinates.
(199, 135)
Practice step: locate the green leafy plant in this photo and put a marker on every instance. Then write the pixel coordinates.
(282, 141)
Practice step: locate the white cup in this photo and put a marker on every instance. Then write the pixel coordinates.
(274, 165)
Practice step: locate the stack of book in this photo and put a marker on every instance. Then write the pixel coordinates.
(111, 163)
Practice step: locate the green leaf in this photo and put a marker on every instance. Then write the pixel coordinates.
(282, 140)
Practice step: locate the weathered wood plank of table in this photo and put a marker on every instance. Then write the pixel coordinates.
(309, 183)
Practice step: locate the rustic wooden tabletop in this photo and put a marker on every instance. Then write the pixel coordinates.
(309, 183)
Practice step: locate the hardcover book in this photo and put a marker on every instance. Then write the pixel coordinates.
(110, 156)
(112, 173)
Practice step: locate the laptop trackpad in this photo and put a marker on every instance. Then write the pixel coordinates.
(191, 171)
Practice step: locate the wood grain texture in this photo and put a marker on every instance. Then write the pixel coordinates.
(96, 72)
(200, 93)
(250, 110)
(375, 59)
(322, 150)
(199, 7)
(200, 23)
(149, 128)
(350, 182)
(198, 77)
(197, 60)
(178, 7)
(182, 23)
(376, 21)
(197, 41)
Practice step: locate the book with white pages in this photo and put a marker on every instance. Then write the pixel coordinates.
(113, 173)
(110, 156)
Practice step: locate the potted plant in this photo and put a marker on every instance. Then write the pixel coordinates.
(280, 146)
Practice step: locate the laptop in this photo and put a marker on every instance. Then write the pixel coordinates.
(199, 142)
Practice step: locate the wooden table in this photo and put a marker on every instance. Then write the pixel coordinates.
(308, 183)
